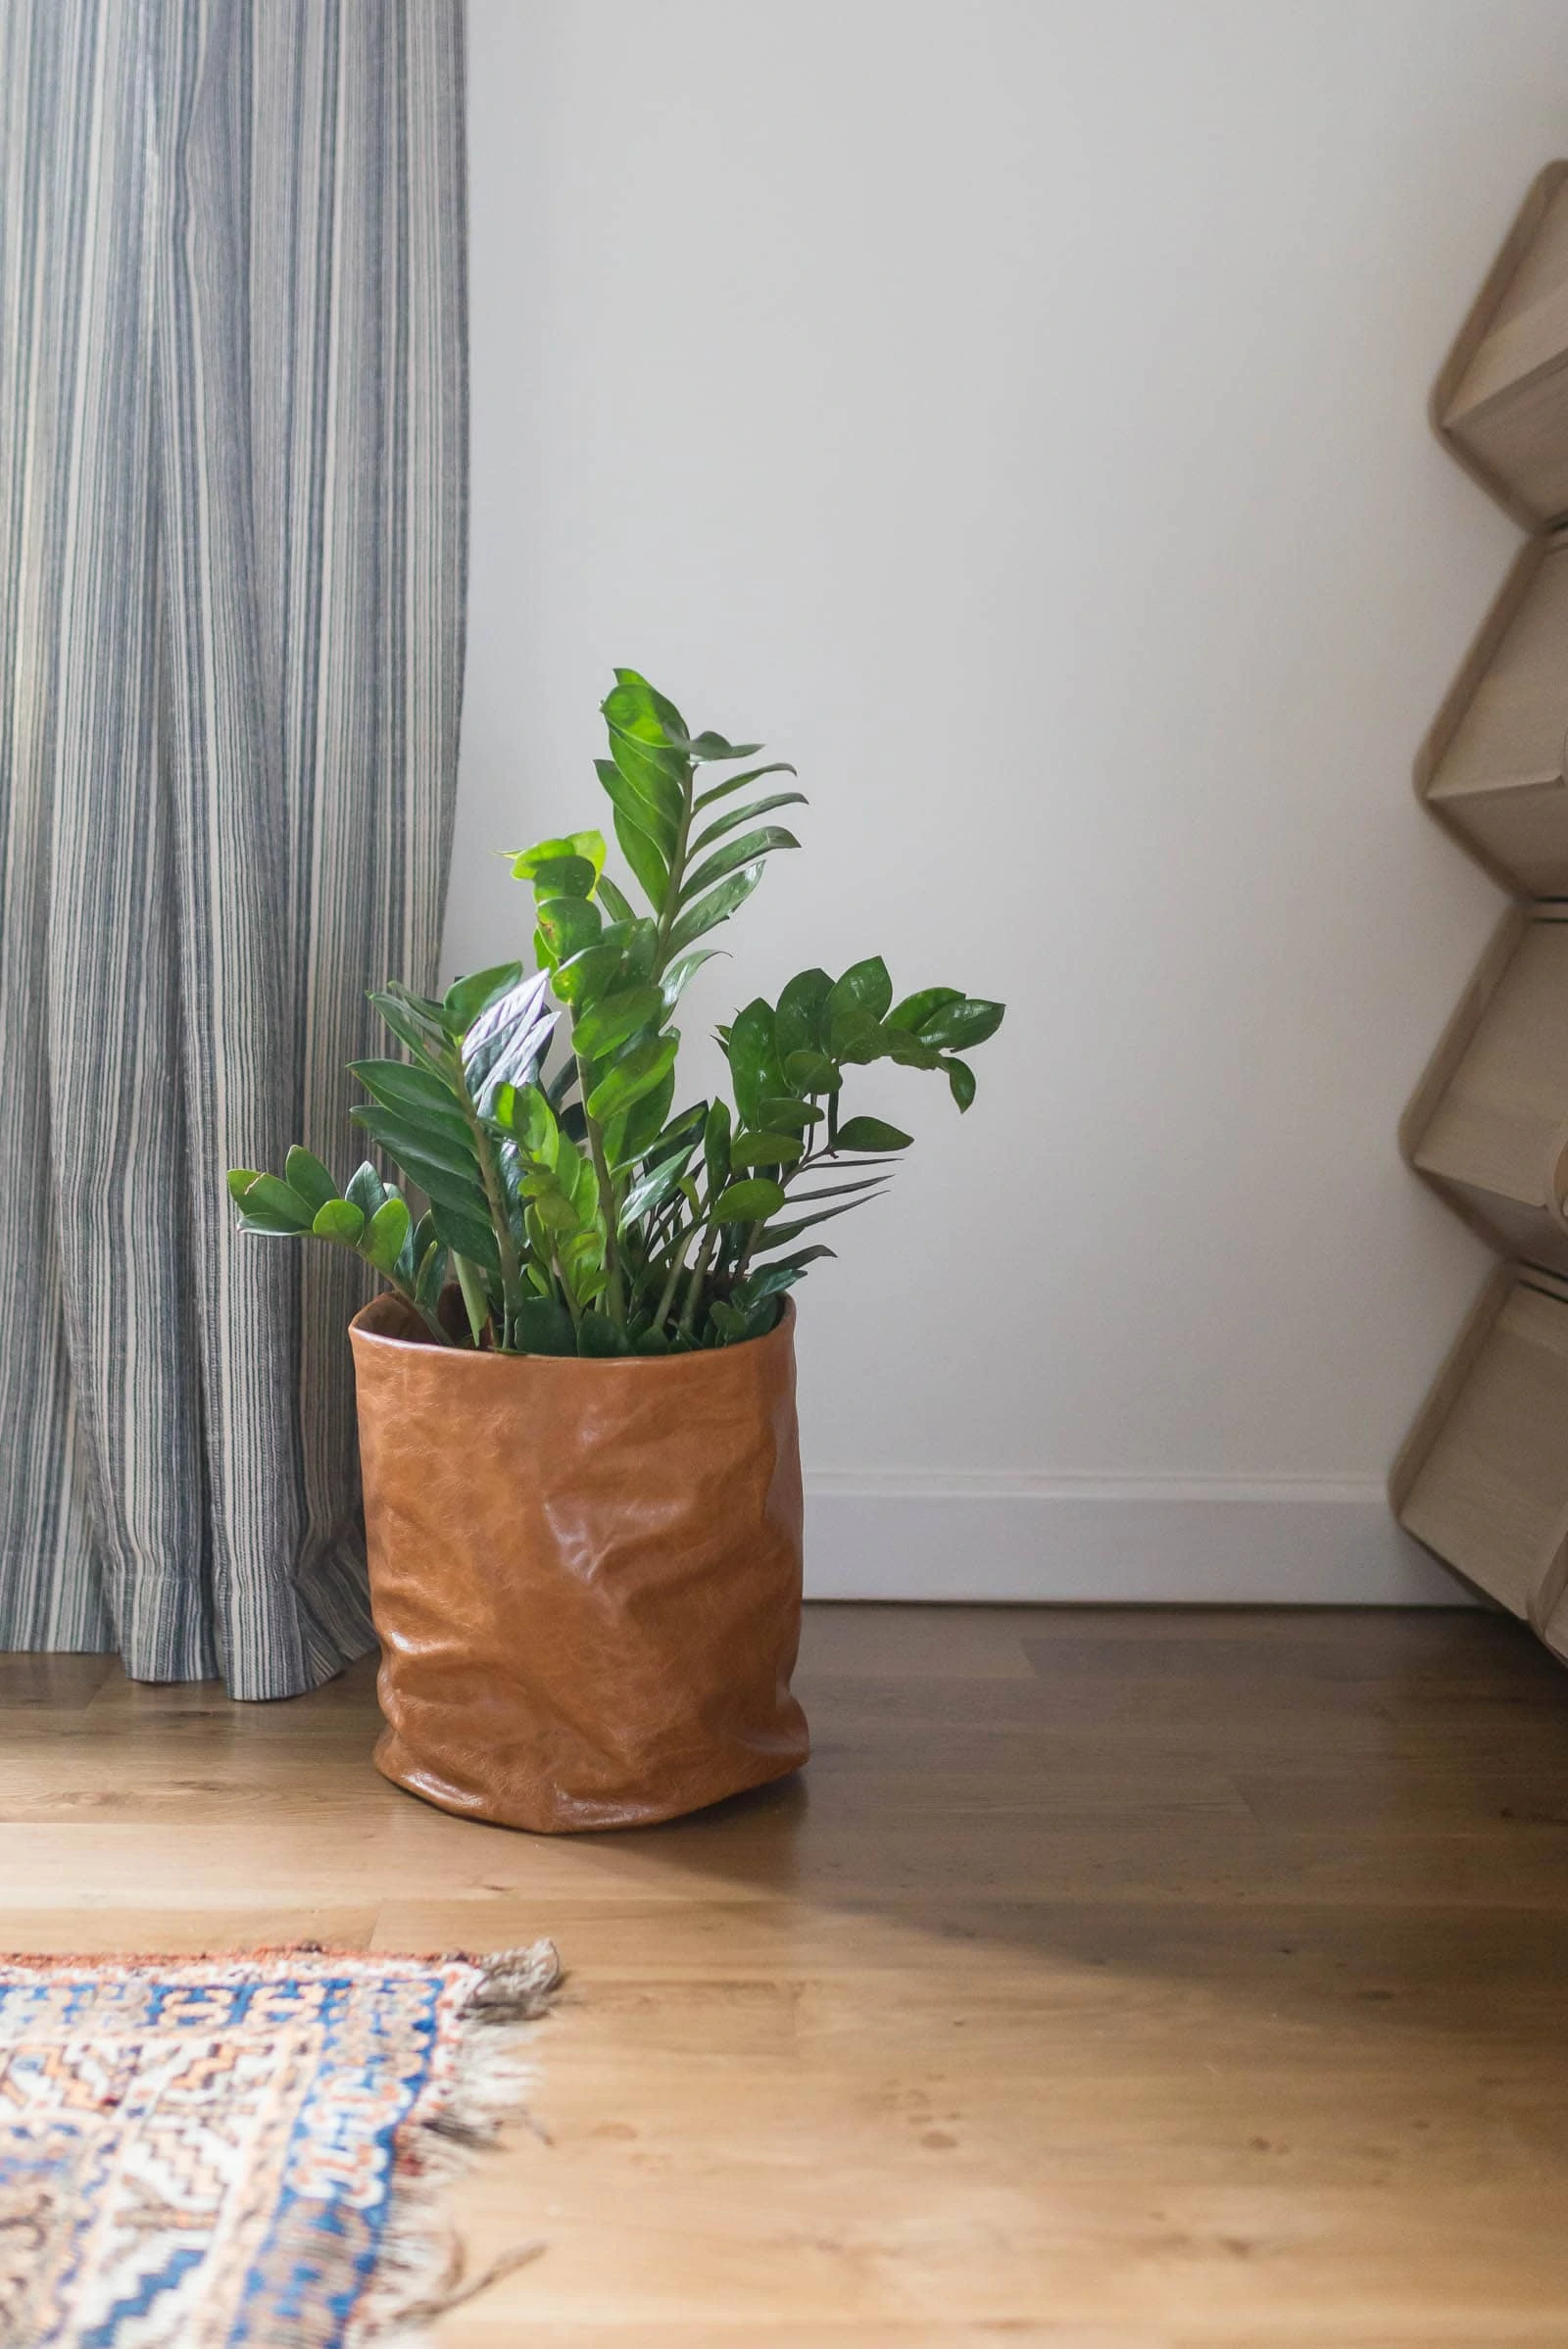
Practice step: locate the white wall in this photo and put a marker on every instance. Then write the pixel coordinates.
(1015, 412)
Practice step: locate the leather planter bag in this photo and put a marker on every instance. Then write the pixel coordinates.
(586, 1574)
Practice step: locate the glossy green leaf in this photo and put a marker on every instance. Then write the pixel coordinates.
(271, 1203)
(399, 1084)
(801, 1018)
(388, 1230)
(614, 1018)
(733, 853)
(770, 1280)
(589, 844)
(430, 1279)
(863, 993)
(870, 1134)
(749, 1201)
(642, 1123)
(716, 1148)
(304, 1172)
(338, 1220)
(569, 925)
(812, 1072)
(617, 905)
(753, 1061)
(543, 1325)
(961, 1082)
(598, 1336)
(563, 877)
(785, 1114)
(741, 816)
(525, 1113)
(436, 1142)
(432, 1049)
(779, 1235)
(718, 904)
(765, 1150)
(467, 998)
(465, 1234)
(727, 1320)
(712, 749)
(959, 1026)
(366, 1190)
(919, 1006)
(731, 783)
(628, 1079)
(645, 856)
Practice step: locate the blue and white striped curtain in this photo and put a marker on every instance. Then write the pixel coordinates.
(232, 535)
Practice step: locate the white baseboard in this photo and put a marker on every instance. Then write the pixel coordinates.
(1217, 1540)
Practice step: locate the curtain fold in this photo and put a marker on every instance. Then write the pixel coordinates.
(232, 547)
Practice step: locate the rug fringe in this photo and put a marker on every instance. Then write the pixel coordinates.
(422, 2270)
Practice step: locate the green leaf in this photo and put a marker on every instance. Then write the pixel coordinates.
(653, 772)
(744, 851)
(652, 1187)
(434, 1050)
(366, 1190)
(435, 1142)
(870, 1134)
(802, 1019)
(399, 1084)
(269, 1204)
(779, 1235)
(770, 1280)
(961, 1082)
(920, 1006)
(651, 1341)
(627, 1080)
(812, 1072)
(753, 1063)
(740, 816)
(543, 1325)
(526, 1114)
(749, 1201)
(338, 1221)
(715, 750)
(766, 1150)
(959, 1026)
(643, 1123)
(618, 907)
(388, 1230)
(862, 994)
(568, 925)
(729, 1322)
(590, 845)
(467, 998)
(755, 774)
(465, 1234)
(682, 971)
(583, 978)
(563, 877)
(787, 1115)
(304, 1173)
(614, 1018)
(717, 907)
(645, 856)
(598, 1336)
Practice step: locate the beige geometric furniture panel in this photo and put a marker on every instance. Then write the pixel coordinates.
(1483, 1476)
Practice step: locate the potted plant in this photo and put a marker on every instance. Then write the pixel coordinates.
(576, 1394)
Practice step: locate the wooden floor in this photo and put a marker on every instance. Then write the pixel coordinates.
(1118, 1979)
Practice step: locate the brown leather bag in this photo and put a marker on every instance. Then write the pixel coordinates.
(586, 1574)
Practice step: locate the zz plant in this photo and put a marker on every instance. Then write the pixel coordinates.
(571, 1209)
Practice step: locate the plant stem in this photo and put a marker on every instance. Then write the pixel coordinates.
(699, 1276)
(666, 1297)
(501, 1222)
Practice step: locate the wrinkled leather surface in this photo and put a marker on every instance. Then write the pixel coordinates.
(586, 1574)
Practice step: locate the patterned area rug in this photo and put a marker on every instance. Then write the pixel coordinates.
(202, 2153)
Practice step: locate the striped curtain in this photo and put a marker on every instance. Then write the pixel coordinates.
(232, 467)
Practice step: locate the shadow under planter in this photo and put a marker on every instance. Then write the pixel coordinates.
(585, 1575)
